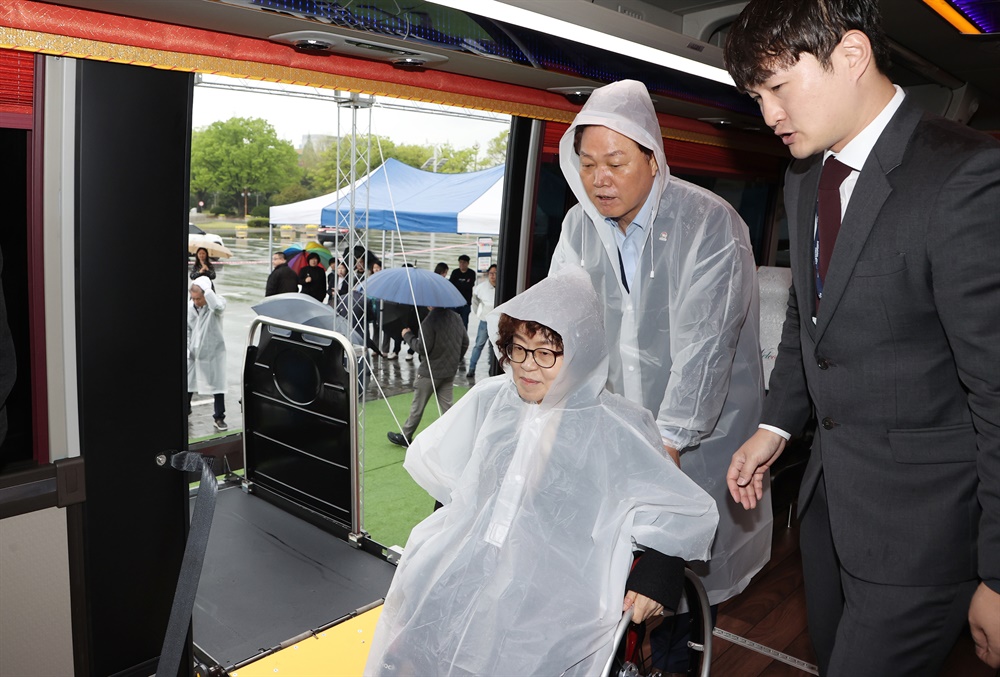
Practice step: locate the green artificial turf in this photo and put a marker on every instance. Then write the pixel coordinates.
(393, 503)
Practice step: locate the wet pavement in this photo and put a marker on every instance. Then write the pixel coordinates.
(241, 280)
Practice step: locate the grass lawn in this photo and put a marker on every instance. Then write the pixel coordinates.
(393, 503)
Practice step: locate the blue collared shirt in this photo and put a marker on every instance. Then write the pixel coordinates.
(630, 242)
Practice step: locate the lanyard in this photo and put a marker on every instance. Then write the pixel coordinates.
(819, 280)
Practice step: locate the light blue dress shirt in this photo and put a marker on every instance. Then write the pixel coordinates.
(630, 242)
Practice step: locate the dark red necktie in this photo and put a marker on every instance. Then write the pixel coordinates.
(828, 214)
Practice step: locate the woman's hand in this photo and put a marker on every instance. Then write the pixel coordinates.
(645, 608)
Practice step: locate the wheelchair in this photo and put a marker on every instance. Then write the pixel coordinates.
(629, 660)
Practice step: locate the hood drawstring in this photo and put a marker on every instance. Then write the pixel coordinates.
(652, 220)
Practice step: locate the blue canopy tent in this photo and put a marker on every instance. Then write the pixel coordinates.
(422, 202)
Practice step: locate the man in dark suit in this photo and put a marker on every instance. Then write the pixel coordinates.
(892, 340)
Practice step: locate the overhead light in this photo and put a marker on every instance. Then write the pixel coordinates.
(953, 16)
(409, 63)
(313, 45)
(498, 11)
(575, 95)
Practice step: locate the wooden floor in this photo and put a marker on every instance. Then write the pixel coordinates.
(772, 612)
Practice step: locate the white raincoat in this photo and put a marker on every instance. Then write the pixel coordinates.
(523, 570)
(206, 345)
(684, 342)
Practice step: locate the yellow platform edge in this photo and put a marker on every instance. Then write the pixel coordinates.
(339, 651)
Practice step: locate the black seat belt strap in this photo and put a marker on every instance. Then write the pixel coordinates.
(194, 557)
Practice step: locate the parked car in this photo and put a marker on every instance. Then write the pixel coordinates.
(196, 232)
(331, 234)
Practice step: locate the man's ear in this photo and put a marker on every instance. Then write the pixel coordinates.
(856, 50)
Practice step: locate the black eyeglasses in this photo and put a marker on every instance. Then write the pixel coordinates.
(543, 357)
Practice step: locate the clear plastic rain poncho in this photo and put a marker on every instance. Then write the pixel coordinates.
(684, 342)
(523, 570)
(206, 344)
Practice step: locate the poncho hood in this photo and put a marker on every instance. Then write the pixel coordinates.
(202, 282)
(624, 107)
(567, 304)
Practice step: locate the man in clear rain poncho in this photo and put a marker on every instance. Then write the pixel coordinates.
(674, 268)
(547, 481)
(207, 348)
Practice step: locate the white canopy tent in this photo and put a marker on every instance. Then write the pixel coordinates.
(306, 212)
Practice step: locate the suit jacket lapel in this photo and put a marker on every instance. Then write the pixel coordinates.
(870, 193)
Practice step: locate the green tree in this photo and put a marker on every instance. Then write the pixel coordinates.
(241, 155)
(328, 176)
(460, 160)
(296, 192)
(414, 155)
(313, 148)
(334, 172)
(496, 151)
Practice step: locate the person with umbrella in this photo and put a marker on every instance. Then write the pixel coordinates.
(207, 348)
(202, 265)
(312, 277)
(440, 341)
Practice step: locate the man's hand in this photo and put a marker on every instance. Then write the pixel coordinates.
(673, 454)
(405, 331)
(644, 607)
(746, 471)
(984, 621)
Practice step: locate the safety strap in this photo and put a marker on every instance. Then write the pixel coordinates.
(194, 556)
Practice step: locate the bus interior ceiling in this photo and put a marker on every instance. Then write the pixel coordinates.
(952, 69)
(714, 135)
(470, 59)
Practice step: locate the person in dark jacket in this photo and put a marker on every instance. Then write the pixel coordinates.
(313, 278)
(282, 278)
(440, 342)
(464, 279)
(338, 281)
(202, 266)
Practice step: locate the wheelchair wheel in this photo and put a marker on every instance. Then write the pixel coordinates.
(632, 658)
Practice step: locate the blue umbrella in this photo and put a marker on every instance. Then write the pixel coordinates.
(413, 287)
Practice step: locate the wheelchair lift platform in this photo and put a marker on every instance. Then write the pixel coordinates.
(270, 576)
(288, 566)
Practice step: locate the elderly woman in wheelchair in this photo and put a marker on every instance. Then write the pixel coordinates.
(548, 483)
